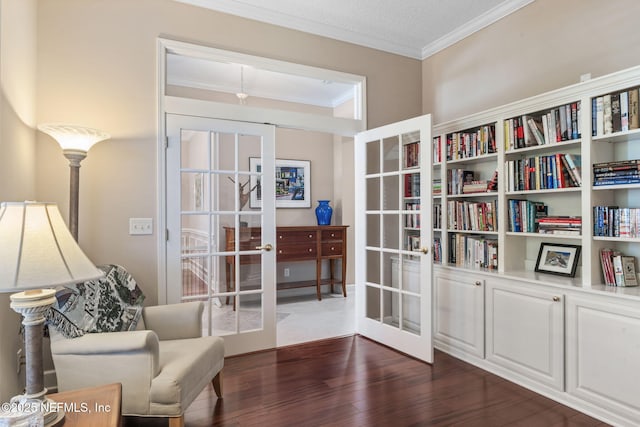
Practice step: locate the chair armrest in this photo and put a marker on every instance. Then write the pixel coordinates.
(175, 321)
(107, 343)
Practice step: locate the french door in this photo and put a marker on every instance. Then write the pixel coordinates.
(393, 236)
(221, 226)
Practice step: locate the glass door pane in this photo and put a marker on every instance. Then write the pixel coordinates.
(222, 253)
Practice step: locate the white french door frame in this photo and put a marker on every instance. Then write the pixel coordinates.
(414, 343)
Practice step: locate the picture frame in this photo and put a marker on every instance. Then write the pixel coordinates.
(293, 183)
(556, 258)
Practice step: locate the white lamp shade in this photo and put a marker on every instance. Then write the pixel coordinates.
(73, 137)
(37, 249)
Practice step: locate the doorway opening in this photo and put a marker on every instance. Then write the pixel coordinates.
(317, 112)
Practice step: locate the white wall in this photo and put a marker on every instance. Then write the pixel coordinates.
(546, 45)
(17, 149)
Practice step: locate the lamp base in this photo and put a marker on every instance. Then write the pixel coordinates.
(23, 411)
(32, 408)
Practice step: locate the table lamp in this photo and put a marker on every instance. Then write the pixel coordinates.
(75, 142)
(36, 251)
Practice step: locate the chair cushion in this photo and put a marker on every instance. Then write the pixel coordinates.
(186, 366)
(112, 303)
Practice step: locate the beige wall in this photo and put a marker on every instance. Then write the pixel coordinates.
(97, 67)
(546, 45)
(17, 149)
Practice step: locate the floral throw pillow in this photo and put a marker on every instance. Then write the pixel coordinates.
(110, 304)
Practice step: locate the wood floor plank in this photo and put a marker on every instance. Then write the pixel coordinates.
(353, 381)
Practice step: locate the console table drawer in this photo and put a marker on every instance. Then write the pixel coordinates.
(295, 236)
(328, 235)
(291, 252)
(331, 249)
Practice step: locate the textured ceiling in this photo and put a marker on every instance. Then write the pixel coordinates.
(413, 28)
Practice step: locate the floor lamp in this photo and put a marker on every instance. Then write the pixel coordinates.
(75, 142)
(36, 251)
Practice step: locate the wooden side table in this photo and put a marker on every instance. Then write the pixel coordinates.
(94, 406)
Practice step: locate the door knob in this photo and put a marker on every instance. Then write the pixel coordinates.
(266, 247)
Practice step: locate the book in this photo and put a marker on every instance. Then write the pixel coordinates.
(618, 273)
(599, 116)
(607, 117)
(615, 113)
(624, 111)
(575, 163)
(629, 271)
(633, 109)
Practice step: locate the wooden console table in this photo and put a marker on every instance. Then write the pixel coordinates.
(294, 243)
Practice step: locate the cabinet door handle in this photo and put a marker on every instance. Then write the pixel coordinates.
(478, 283)
(424, 250)
(556, 299)
(266, 247)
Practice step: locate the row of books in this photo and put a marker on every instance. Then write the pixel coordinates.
(436, 187)
(437, 250)
(437, 216)
(524, 215)
(616, 172)
(556, 125)
(437, 150)
(612, 221)
(471, 216)
(473, 252)
(615, 112)
(473, 143)
(618, 269)
(411, 155)
(413, 242)
(412, 185)
(544, 172)
(412, 220)
(460, 181)
(568, 225)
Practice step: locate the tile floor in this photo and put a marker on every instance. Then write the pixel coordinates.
(300, 316)
(309, 319)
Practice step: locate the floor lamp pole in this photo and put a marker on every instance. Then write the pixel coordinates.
(74, 157)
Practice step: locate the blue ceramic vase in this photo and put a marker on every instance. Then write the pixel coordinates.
(323, 212)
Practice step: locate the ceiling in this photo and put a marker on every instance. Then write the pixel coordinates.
(412, 28)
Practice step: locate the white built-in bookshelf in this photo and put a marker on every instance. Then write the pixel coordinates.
(567, 177)
(534, 145)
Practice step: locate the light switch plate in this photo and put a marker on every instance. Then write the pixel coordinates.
(139, 226)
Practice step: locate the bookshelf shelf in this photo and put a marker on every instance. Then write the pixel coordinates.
(475, 159)
(544, 235)
(546, 191)
(564, 145)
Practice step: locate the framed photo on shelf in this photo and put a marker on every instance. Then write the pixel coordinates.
(555, 258)
(293, 183)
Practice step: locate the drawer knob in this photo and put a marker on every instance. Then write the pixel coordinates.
(556, 299)
(280, 251)
(478, 283)
(280, 236)
(310, 236)
(332, 248)
(310, 250)
(333, 235)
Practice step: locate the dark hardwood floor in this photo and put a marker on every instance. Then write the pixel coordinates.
(356, 382)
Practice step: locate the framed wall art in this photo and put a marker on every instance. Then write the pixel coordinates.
(293, 183)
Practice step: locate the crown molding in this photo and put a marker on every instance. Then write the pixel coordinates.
(474, 26)
(325, 30)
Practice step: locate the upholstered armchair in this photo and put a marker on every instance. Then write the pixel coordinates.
(163, 365)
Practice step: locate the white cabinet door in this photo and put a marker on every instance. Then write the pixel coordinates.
(459, 312)
(603, 354)
(525, 332)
